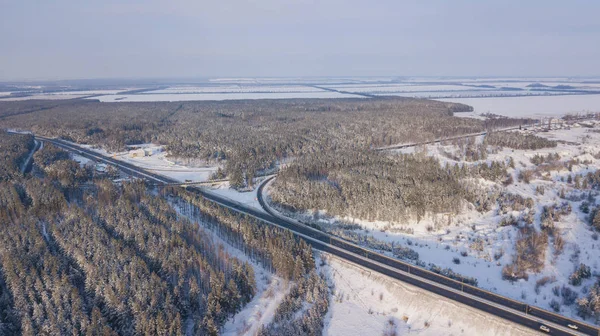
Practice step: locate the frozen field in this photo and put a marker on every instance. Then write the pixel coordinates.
(469, 94)
(58, 95)
(467, 88)
(296, 87)
(238, 89)
(539, 106)
(43, 97)
(86, 93)
(221, 96)
(382, 88)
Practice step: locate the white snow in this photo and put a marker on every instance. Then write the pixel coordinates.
(43, 97)
(238, 89)
(469, 94)
(260, 311)
(538, 106)
(364, 303)
(86, 92)
(399, 88)
(248, 198)
(221, 96)
(80, 159)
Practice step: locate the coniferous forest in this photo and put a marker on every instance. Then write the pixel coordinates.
(81, 255)
(247, 137)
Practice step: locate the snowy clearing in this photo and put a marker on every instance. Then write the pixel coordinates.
(367, 303)
(260, 311)
(248, 198)
(158, 162)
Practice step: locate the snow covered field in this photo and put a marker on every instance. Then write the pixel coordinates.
(367, 303)
(221, 96)
(443, 95)
(240, 88)
(539, 106)
(43, 97)
(58, 95)
(379, 88)
(86, 92)
(281, 88)
(465, 88)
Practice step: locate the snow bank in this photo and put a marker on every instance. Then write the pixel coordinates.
(364, 303)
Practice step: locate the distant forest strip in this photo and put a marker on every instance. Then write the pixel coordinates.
(246, 137)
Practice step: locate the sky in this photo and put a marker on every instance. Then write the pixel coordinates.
(74, 39)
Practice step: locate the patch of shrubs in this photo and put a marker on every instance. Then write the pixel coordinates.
(448, 272)
(582, 272)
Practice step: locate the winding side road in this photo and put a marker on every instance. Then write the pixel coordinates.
(28, 162)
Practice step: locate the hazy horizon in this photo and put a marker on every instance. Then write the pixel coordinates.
(143, 40)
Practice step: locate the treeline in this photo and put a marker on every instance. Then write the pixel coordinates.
(517, 140)
(372, 186)
(369, 185)
(56, 164)
(246, 137)
(494, 121)
(492, 171)
(276, 249)
(108, 259)
(14, 148)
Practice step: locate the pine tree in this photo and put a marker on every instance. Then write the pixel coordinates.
(233, 297)
(299, 270)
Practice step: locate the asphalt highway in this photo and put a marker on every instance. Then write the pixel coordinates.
(518, 312)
